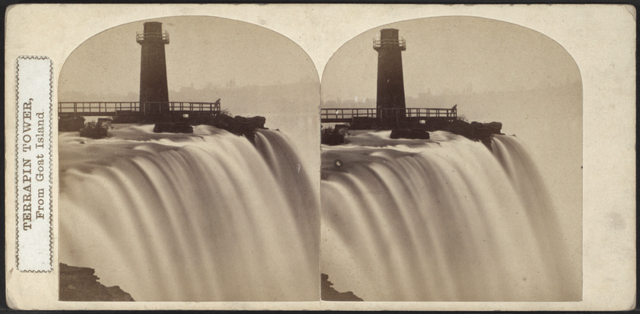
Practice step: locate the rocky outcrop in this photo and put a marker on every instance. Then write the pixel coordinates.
(238, 125)
(332, 139)
(330, 294)
(333, 136)
(96, 130)
(171, 127)
(475, 130)
(410, 134)
(482, 130)
(81, 284)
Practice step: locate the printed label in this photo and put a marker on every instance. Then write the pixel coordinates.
(34, 246)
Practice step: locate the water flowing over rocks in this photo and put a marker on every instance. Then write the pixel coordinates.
(475, 130)
(239, 125)
(409, 134)
(206, 216)
(169, 127)
(415, 130)
(443, 219)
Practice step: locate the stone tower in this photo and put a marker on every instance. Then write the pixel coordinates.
(390, 96)
(154, 93)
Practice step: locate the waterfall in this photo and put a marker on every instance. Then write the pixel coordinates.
(200, 217)
(211, 217)
(444, 219)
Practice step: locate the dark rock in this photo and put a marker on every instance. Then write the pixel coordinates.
(225, 122)
(410, 134)
(198, 118)
(258, 122)
(182, 127)
(70, 124)
(245, 125)
(333, 136)
(104, 123)
(485, 130)
(474, 130)
(330, 294)
(342, 129)
(332, 139)
(239, 125)
(461, 128)
(95, 133)
(81, 284)
(171, 127)
(96, 130)
(161, 127)
(495, 127)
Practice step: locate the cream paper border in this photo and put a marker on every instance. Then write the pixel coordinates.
(601, 39)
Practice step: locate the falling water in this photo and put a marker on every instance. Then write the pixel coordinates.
(202, 217)
(444, 219)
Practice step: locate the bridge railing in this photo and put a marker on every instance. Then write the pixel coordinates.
(426, 112)
(192, 106)
(346, 114)
(112, 107)
(97, 107)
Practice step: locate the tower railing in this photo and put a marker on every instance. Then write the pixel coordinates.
(400, 42)
(163, 36)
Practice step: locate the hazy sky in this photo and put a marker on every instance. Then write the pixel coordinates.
(453, 53)
(202, 51)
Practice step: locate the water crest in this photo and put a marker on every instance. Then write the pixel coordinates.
(441, 220)
(204, 217)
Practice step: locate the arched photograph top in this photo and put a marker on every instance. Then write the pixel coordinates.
(444, 130)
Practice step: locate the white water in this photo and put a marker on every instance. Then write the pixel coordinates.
(441, 220)
(201, 217)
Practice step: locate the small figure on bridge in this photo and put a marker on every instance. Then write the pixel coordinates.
(454, 107)
(217, 102)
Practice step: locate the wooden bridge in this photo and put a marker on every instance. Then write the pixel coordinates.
(329, 115)
(117, 108)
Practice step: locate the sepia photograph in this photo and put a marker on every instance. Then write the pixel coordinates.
(451, 164)
(181, 174)
(320, 157)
